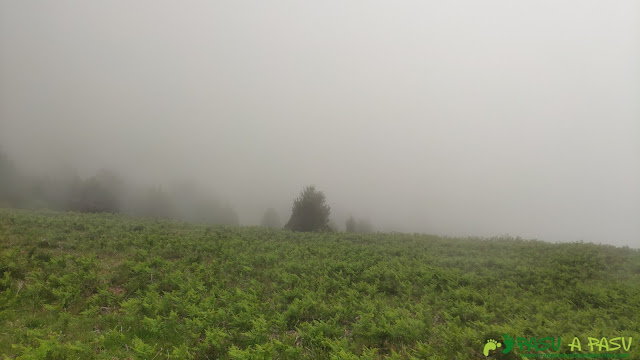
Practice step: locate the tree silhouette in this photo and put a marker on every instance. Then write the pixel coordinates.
(271, 219)
(351, 224)
(310, 211)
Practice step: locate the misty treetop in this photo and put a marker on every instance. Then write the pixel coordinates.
(271, 219)
(310, 211)
(351, 224)
(358, 226)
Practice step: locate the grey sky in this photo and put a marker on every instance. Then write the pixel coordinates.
(449, 117)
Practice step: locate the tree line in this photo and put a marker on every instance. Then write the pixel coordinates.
(107, 192)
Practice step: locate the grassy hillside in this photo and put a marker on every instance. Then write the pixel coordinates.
(111, 287)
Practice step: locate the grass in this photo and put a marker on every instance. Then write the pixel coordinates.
(113, 287)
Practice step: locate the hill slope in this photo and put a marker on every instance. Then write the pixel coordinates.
(109, 287)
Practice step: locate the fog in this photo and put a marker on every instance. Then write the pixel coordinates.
(457, 118)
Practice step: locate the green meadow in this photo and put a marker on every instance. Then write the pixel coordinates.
(100, 286)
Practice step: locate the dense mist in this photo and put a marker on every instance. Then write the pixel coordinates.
(458, 118)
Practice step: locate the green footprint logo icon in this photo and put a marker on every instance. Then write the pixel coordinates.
(490, 345)
(508, 342)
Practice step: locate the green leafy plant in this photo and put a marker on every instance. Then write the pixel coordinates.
(108, 286)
